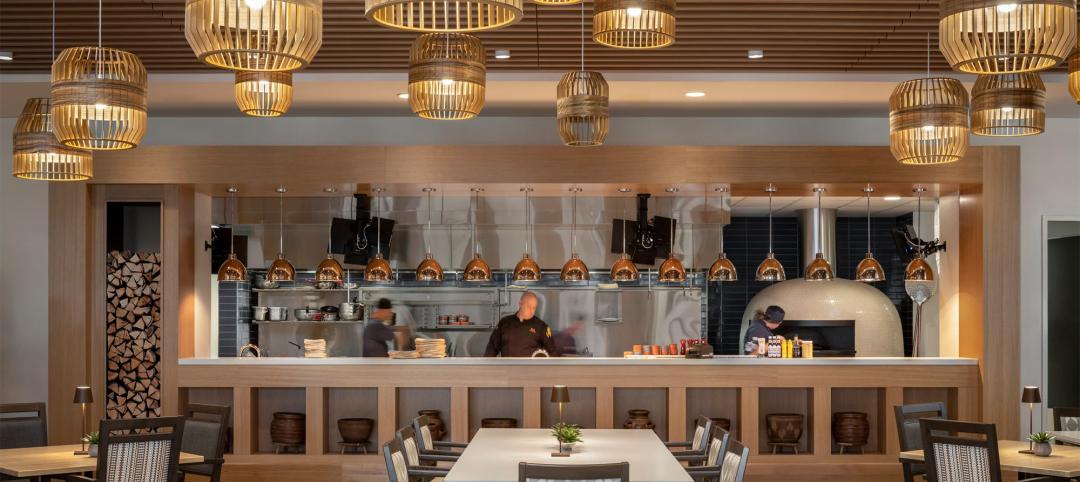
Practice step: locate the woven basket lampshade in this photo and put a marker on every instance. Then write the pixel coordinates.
(928, 121)
(1003, 36)
(263, 94)
(1008, 105)
(36, 153)
(281, 35)
(456, 16)
(98, 98)
(1074, 70)
(582, 109)
(634, 24)
(447, 76)
(557, 2)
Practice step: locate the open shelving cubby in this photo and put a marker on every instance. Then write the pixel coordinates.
(494, 403)
(580, 411)
(714, 403)
(655, 400)
(411, 400)
(265, 402)
(350, 403)
(870, 401)
(786, 400)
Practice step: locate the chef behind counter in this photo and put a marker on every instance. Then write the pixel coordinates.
(522, 334)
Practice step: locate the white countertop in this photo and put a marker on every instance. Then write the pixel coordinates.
(595, 361)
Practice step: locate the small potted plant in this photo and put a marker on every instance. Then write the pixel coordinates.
(567, 435)
(93, 439)
(1042, 441)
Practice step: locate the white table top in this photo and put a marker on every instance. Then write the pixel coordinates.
(494, 453)
(724, 360)
(1069, 437)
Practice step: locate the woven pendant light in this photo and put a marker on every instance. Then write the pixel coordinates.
(1074, 69)
(445, 16)
(378, 269)
(281, 269)
(574, 269)
(428, 269)
(477, 270)
(557, 2)
(1013, 36)
(624, 268)
(1008, 105)
(37, 155)
(928, 121)
(447, 76)
(263, 94)
(671, 270)
(770, 269)
(869, 269)
(634, 24)
(98, 98)
(722, 269)
(527, 270)
(582, 107)
(232, 269)
(261, 35)
(819, 269)
(329, 269)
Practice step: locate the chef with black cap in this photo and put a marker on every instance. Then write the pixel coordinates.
(762, 327)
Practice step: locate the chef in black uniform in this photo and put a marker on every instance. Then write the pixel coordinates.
(762, 327)
(521, 334)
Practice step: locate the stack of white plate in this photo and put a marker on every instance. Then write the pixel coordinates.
(314, 348)
(404, 354)
(431, 347)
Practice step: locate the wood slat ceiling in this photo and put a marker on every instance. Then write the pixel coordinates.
(713, 35)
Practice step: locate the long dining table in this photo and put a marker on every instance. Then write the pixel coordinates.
(493, 454)
(57, 460)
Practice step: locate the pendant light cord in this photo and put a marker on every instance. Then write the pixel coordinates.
(536, 13)
(378, 222)
(582, 36)
(770, 219)
(624, 228)
(928, 55)
(427, 234)
(671, 227)
(528, 225)
(281, 222)
(721, 221)
(573, 224)
(330, 227)
(475, 206)
(53, 52)
(231, 236)
(868, 191)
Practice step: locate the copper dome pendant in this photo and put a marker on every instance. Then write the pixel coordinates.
(869, 269)
(819, 269)
(671, 270)
(378, 269)
(574, 269)
(428, 270)
(477, 270)
(722, 269)
(770, 269)
(527, 270)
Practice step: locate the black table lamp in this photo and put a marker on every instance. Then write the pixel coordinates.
(1030, 396)
(83, 397)
(560, 395)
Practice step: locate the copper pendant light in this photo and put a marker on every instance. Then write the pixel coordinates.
(722, 269)
(671, 270)
(574, 269)
(266, 35)
(378, 269)
(232, 269)
(869, 269)
(281, 269)
(919, 280)
(624, 268)
(634, 24)
(819, 269)
(770, 269)
(581, 112)
(1006, 36)
(263, 94)
(918, 269)
(928, 119)
(527, 270)
(429, 269)
(447, 76)
(1008, 105)
(477, 270)
(457, 16)
(329, 269)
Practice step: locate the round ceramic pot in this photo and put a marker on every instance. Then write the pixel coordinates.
(355, 430)
(1043, 449)
(851, 428)
(784, 427)
(435, 424)
(639, 419)
(93, 450)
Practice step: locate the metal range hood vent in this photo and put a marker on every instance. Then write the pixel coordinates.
(817, 234)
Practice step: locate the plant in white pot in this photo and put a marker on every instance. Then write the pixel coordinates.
(567, 435)
(93, 439)
(1042, 441)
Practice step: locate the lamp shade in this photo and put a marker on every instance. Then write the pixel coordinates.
(1008, 105)
(560, 394)
(429, 269)
(1030, 395)
(869, 270)
(280, 35)
(770, 269)
(98, 98)
(819, 269)
(378, 270)
(574, 269)
(582, 108)
(456, 16)
(232, 269)
(928, 121)
(329, 270)
(263, 94)
(1074, 74)
(83, 395)
(671, 271)
(447, 76)
(477, 270)
(919, 270)
(634, 24)
(526, 269)
(999, 36)
(37, 155)
(723, 269)
(281, 270)
(624, 269)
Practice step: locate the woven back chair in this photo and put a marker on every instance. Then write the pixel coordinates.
(138, 450)
(960, 451)
(399, 469)
(617, 472)
(428, 443)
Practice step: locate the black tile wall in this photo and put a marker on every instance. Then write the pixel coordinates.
(234, 317)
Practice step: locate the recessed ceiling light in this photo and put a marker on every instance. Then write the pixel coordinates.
(403, 95)
(502, 54)
(6, 56)
(755, 54)
(891, 198)
(695, 94)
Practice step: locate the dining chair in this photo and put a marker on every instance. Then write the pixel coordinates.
(907, 428)
(23, 425)
(616, 472)
(138, 450)
(730, 467)
(702, 430)
(398, 468)
(205, 434)
(406, 436)
(1066, 418)
(717, 444)
(428, 444)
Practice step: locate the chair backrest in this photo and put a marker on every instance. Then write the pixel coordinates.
(205, 430)
(960, 451)
(423, 433)
(406, 436)
(717, 446)
(907, 422)
(1067, 418)
(703, 426)
(23, 425)
(617, 472)
(397, 468)
(733, 467)
(140, 450)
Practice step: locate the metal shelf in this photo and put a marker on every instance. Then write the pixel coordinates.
(458, 328)
(298, 322)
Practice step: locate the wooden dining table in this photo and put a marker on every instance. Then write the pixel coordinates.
(1063, 462)
(57, 460)
(493, 454)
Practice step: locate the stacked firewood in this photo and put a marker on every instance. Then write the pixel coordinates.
(133, 335)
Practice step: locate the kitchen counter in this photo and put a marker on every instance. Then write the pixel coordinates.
(585, 361)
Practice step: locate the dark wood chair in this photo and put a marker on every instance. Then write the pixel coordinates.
(145, 449)
(581, 473)
(398, 468)
(23, 425)
(410, 445)
(703, 428)
(428, 444)
(907, 428)
(1066, 418)
(205, 432)
(714, 450)
(728, 465)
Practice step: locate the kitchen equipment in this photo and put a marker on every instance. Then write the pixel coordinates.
(250, 350)
(265, 284)
(279, 313)
(307, 314)
(329, 317)
(329, 313)
(325, 285)
(260, 313)
(350, 311)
